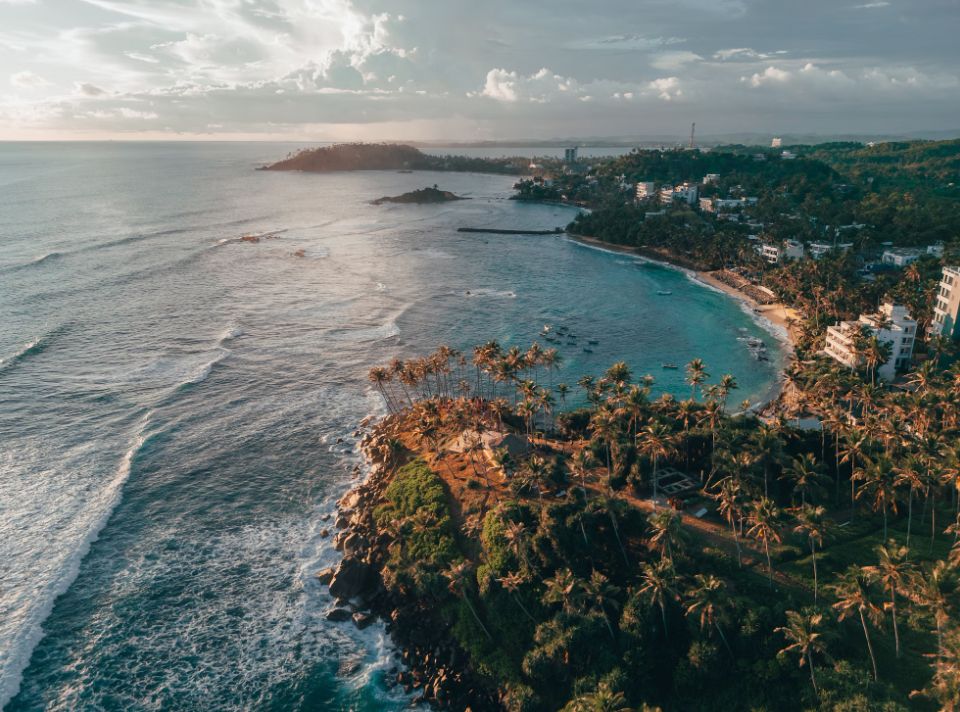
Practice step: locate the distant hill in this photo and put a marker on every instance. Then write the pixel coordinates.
(390, 156)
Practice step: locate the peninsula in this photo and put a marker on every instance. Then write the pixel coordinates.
(390, 156)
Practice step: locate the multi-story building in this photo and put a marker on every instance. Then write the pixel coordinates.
(777, 142)
(646, 190)
(711, 178)
(775, 253)
(570, 154)
(892, 325)
(947, 305)
(687, 192)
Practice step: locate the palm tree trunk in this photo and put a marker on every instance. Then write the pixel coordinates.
(477, 617)
(866, 634)
(813, 679)
(893, 613)
(813, 554)
(663, 615)
(736, 540)
(766, 546)
(909, 515)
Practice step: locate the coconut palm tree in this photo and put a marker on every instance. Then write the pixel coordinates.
(805, 638)
(893, 572)
(730, 503)
(566, 589)
(811, 523)
(854, 597)
(727, 384)
(512, 583)
(459, 577)
(658, 584)
(657, 443)
(581, 463)
(807, 476)
(603, 699)
(606, 430)
(696, 375)
(936, 590)
(667, 534)
(878, 487)
(910, 475)
(765, 523)
(708, 599)
(603, 596)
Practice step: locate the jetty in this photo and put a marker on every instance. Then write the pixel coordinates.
(495, 231)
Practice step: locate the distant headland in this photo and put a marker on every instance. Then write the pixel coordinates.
(421, 196)
(390, 156)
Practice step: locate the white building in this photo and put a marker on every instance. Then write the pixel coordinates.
(935, 249)
(777, 142)
(725, 205)
(892, 325)
(687, 192)
(819, 249)
(900, 256)
(947, 305)
(646, 190)
(711, 178)
(771, 253)
(787, 155)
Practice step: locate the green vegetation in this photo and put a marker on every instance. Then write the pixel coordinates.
(824, 575)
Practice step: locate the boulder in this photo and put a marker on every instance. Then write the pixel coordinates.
(351, 579)
(353, 544)
(339, 615)
(362, 620)
(325, 575)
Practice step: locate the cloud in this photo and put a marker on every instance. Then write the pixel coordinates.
(770, 75)
(508, 86)
(744, 53)
(28, 80)
(87, 89)
(674, 60)
(871, 5)
(667, 88)
(625, 42)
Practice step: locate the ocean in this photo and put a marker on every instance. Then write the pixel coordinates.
(177, 405)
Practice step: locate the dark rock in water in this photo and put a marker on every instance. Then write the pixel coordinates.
(324, 576)
(324, 533)
(351, 579)
(339, 615)
(362, 620)
(424, 195)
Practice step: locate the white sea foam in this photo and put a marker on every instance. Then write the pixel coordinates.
(26, 607)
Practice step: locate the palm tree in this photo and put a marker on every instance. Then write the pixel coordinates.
(811, 523)
(727, 384)
(667, 534)
(936, 591)
(805, 638)
(696, 375)
(657, 443)
(603, 699)
(806, 474)
(603, 596)
(857, 446)
(459, 577)
(581, 463)
(605, 430)
(893, 572)
(564, 588)
(729, 497)
(854, 597)
(878, 486)
(911, 475)
(512, 583)
(764, 520)
(658, 585)
(769, 447)
(708, 599)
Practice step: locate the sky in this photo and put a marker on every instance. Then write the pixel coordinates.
(474, 70)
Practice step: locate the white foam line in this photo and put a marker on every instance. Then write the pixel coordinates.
(11, 677)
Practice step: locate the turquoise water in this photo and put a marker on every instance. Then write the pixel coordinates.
(171, 401)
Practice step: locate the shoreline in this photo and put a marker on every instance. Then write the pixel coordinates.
(773, 318)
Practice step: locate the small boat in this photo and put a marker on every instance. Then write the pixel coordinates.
(586, 350)
(546, 329)
(664, 292)
(671, 366)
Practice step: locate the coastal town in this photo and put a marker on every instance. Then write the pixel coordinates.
(805, 551)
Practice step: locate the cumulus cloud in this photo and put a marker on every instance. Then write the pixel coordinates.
(667, 88)
(672, 61)
(770, 75)
(87, 89)
(509, 86)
